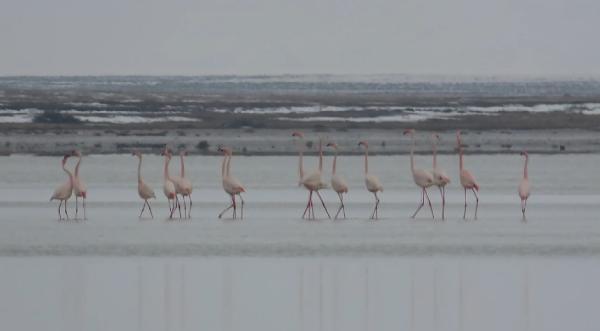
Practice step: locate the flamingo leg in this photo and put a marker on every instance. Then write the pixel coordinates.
(144, 207)
(234, 206)
(377, 206)
(66, 210)
(184, 206)
(150, 209)
(341, 207)
(173, 208)
(76, 206)
(465, 212)
(443, 193)
(374, 215)
(323, 203)
(59, 205)
(312, 211)
(421, 205)
(178, 205)
(170, 209)
(84, 212)
(226, 209)
(429, 201)
(476, 202)
(308, 205)
(190, 212)
(242, 209)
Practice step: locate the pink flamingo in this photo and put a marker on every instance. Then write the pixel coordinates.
(65, 190)
(231, 185)
(312, 181)
(467, 180)
(79, 187)
(183, 186)
(524, 186)
(337, 182)
(168, 186)
(422, 177)
(144, 191)
(440, 179)
(373, 184)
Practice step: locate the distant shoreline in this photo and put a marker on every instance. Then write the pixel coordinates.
(253, 142)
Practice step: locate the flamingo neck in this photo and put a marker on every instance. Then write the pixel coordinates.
(139, 171)
(525, 172)
(366, 160)
(412, 157)
(460, 158)
(166, 173)
(434, 154)
(68, 173)
(77, 167)
(334, 162)
(320, 155)
(223, 165)
(228, 171)
(182, 166)
(300, 163)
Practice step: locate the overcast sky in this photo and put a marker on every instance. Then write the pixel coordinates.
(506, 37)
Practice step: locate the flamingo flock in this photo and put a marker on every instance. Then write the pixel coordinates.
(178, 189)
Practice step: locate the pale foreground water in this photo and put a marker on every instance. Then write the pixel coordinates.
(274, 271)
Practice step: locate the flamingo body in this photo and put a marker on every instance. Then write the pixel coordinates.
(524, 186)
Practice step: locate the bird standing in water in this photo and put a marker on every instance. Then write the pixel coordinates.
(65, 190)
(371, 182)
(144, 191)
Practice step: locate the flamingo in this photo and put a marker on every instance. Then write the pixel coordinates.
(179, 185)
(168, 186)
(65, 190)
(79, 187)
(467, 180)
(422, 177)
(312, 181)
(337, 182)
(440, 179)
(144, 191)
(184, 186)
(231, 185)
(524, 186)
(373, 184)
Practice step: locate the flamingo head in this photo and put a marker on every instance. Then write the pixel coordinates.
(298, 134)
(225, 150)
(435, 137)
(363, 143)
(167, 152)
(136, 153)
(524, 153)
(443, 179)
(183, 153)
(409, 131)
(333, 145)
(76, 152)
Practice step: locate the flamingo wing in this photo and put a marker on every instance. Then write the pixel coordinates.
(373, 183)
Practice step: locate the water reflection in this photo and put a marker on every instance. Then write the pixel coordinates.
(299, 294)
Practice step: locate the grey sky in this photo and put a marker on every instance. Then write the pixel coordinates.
(78, 37)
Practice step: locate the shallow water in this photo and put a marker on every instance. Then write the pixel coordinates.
(274, 271)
